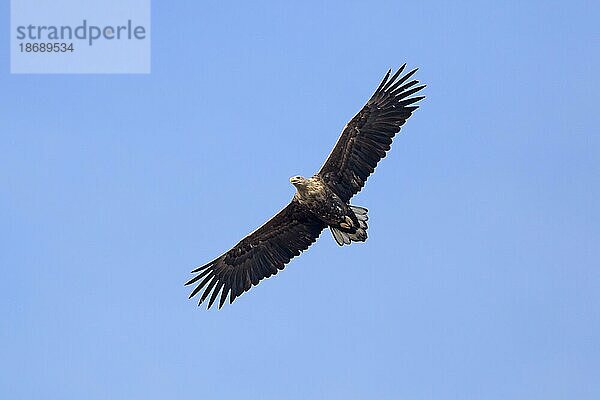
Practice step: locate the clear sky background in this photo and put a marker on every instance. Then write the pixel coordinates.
(481, 276)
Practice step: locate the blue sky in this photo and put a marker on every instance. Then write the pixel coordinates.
(481, 275)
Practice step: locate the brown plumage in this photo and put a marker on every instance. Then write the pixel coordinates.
(320, 201)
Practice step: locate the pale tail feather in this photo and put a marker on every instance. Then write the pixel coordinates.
(360, 235)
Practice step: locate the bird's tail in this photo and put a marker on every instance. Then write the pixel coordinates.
(353, 234)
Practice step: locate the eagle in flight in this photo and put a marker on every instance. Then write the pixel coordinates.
(320, 201)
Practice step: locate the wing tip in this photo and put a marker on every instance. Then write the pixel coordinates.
(393, 83)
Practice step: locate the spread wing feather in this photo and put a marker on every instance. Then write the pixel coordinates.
(368, 136)
(259, 255)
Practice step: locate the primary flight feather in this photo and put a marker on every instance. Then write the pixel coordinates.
(320, 201)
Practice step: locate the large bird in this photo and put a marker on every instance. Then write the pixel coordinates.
(320, 201)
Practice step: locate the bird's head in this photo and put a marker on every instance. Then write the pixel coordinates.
(298, 181)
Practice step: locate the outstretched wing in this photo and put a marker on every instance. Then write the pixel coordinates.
(368, 136)
(259, 255)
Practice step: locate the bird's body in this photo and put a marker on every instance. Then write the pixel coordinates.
(320, 201)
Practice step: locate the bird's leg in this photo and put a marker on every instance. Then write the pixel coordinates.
(347, 224)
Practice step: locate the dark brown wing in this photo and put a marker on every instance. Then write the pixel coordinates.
(259, 255)
(368, 136)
